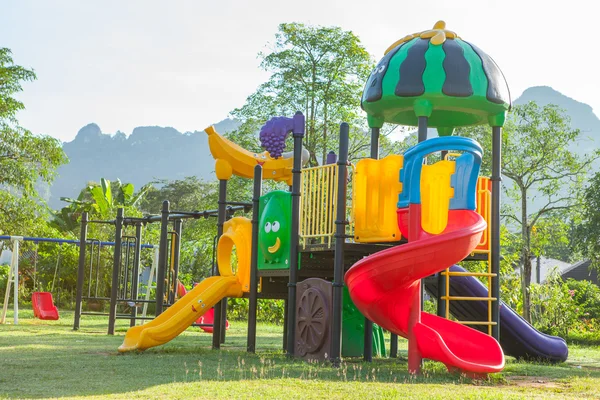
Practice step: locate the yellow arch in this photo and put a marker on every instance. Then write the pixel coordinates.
(236, 232)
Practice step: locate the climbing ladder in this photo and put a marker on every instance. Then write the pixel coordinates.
(484, 196)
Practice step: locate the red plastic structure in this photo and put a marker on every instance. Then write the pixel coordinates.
(207, 318)
(43, 306)
(386, 288)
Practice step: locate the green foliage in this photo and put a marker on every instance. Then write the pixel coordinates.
(553, 309)
(587, 233)
(98, 199)
(540, 168)
(269, 311)
(25, 158)
(587, 297)
(11, 78)
(321, 72)
(4, 269)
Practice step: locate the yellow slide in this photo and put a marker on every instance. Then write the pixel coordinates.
(233, 159)
(182, 314)
(176, 319)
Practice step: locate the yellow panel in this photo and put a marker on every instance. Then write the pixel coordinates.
(237, 232)
(436, 193)
(484, 204)
(376, 188)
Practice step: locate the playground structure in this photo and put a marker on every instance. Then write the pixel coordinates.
(42, 302)
(124, 290)
(406, 221)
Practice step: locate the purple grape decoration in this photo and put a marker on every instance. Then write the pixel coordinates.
(273, 135)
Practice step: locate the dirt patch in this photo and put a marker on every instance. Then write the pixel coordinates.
(534, 382)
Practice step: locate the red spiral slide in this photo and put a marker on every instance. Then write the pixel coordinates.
(386, 288)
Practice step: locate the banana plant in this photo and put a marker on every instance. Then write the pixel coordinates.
(102, 199)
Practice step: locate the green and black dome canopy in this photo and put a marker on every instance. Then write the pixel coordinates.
(436, 74)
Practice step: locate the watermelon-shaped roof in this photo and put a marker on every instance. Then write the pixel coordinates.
(438, 75)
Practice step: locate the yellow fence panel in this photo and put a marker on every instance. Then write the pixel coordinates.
(318, 199)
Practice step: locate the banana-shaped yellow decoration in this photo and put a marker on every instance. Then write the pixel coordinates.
(231, 158)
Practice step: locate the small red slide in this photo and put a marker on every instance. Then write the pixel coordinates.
(43, 306)
(207, 318)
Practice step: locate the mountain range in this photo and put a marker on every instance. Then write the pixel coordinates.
(151, 152)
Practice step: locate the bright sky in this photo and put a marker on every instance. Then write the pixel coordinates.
(186, 64)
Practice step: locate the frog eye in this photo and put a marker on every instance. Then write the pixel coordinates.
(268, 227)
(276, 226)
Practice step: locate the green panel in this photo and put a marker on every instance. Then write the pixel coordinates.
(353, 331)
(274, 230)
(477, 75)
(392, 75)
(434, 74)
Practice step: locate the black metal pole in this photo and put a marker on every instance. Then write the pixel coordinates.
(422, 136)
(495, 228)
(285, 323)
(80, 269)
(393, 345)
(253, 302)
(340, 240)
(163, 255)
(176, 256)
(375, 143)
(135, 275)
(368, 333)
(217, 321)
(298, 134)
(114, 290)
(422, 129)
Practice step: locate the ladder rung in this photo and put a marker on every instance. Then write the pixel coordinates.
(453, 273)
(466, 298)
(477, 323)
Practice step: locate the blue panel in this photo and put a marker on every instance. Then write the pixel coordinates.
(410, 175)
(464, 182)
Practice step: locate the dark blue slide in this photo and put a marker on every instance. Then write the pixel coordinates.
(517, 337)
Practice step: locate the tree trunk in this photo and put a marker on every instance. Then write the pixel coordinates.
(525, 257)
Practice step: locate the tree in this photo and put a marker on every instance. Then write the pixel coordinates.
(587, 232)
(25, 158)
(540, 169)
(320, 71)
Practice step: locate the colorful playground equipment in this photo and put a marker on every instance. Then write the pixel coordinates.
(204, 296)
(443, 228)
(345, 261)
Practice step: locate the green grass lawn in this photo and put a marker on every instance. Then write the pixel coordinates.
(46, 359)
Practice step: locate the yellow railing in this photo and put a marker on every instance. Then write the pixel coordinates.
(318, 204)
